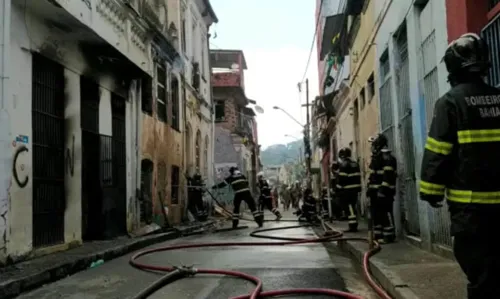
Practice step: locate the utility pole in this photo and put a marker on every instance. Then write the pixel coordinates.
(307, 137)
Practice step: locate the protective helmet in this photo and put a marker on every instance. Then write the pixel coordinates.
(468, 53)
(260, 174)
(345, 153)
(233, 169)
(197, 177)
(378, 142)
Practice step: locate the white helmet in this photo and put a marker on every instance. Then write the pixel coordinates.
(260, 174)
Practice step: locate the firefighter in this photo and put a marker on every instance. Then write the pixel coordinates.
(336, 207)
(382, 189)
(241, 189)
(324, 202)
(348, 187)
(308, 210)
(195, 195)
(461, 160)
(265, 197)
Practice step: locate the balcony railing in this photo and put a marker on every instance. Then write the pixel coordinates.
(491, 33)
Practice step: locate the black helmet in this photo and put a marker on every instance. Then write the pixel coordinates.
(197, 177)
(345, 152)
(378, 142)
(467, 54)
(232, 169)
(335, 166)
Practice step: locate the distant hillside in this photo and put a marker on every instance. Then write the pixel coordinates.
(278, 154)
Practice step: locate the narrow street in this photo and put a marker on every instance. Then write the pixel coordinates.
(279, 267)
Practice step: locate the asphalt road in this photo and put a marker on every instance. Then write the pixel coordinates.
(279, 267)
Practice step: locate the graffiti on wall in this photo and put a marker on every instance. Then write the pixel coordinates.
(19, 169)
(70, 158)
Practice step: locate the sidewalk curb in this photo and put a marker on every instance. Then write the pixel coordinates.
(382, 273)
(387, 279)
(14, 287)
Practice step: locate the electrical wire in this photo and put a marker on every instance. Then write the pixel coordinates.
(329, 235)
(317, 25)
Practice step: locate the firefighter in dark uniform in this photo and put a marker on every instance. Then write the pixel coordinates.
(461, 162)
(195, 196)
(265, 197)
(324, 203)
(336, 207)
(241, 189)
(382, 189)
(308, 209)
(349, 186)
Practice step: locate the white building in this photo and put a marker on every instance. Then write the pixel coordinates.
(410, 43)
(69, 121)
(195, 19)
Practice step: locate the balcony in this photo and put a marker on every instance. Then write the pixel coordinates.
(227, 79)
(491, 33)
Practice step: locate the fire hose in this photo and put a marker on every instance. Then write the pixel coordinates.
(175, 273)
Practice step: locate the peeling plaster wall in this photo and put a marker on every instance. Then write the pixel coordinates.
(28, 34)
(162, 144)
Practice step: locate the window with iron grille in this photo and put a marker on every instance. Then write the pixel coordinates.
(161, 95)
(147, 95)
(491, 34)
(174, 94)
(220, 112)
(174, 183)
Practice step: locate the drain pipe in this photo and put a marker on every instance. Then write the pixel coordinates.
(212, 114)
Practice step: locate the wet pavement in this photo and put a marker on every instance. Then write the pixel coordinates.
(278, 266)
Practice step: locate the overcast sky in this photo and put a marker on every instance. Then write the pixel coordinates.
(276, 37)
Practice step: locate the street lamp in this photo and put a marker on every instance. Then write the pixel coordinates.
(289, 115)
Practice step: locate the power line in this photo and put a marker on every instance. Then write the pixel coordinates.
(313, 40)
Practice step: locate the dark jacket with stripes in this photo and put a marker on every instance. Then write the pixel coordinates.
(349, 178)
(462, 157)
(265, 190)
(383, 175)
(238, 183)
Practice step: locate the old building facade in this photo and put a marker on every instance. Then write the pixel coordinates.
(70, 117)
(236, 141)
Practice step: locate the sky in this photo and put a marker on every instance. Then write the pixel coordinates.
(275, 37)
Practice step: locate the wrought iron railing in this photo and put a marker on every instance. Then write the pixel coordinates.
(491, 33)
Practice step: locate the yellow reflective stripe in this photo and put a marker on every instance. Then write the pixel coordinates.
(476, 136)
(242, 190)
(352, 186)
(355, 174)
(389, 168)
(373, 186)
(343, 173)
(385, 184)
(431, 188)
(467, 196)
(377, 171)
(439, 147)
(238, 181)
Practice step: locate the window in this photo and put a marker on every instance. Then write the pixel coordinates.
(203, 58)
(220, 113)
(174, 94)
(174, 184)
(385, 67)
(198, 150)
(362, 98)
(183, 30)
(147, 95)
(193, 40)
(161, 96)
(205, 157)
(370, 85)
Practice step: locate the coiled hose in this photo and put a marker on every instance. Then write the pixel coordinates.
(175, 273)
